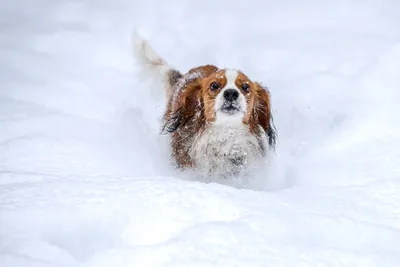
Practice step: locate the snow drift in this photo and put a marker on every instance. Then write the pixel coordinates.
(84, 173)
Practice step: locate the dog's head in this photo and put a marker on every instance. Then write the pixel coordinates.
(224, 97)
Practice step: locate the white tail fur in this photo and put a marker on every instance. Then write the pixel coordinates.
(151, 65)
(147, 57)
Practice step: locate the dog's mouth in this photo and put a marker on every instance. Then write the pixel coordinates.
(230, 108)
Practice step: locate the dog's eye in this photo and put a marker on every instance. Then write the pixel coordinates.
(214, 86)
(245, 87)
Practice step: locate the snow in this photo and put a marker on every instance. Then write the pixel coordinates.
(85, 178)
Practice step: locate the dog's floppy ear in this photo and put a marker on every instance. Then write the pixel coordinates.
(188, 101)
(186, 106)
(173, 122)
(263, 113)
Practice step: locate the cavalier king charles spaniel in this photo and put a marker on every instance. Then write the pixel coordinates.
(219, 120)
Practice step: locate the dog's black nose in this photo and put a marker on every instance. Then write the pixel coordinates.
(231, 95)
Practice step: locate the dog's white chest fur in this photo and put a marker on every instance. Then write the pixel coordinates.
(222, 151)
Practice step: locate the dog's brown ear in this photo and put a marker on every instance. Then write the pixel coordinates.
(263, 113)
(187, 102)
(184, 110)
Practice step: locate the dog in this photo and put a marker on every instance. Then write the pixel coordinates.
(219, 120)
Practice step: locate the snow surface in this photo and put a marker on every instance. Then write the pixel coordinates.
(85, 178)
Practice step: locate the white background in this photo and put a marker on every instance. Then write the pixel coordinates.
(85, 178)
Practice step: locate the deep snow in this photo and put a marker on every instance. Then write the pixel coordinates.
(84, 174)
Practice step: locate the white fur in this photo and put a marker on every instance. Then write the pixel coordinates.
(213, 150)
(231, 76)
(225, 119)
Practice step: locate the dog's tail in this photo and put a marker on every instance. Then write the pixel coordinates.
(153, 66)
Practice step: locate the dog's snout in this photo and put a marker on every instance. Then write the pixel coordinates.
(231, 95)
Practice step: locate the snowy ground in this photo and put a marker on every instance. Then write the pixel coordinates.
(84, 174)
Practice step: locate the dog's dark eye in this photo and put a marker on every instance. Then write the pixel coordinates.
(214, 86)
(245, 87)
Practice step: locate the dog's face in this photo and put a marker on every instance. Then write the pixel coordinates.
(228, 97)
(221, 97)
